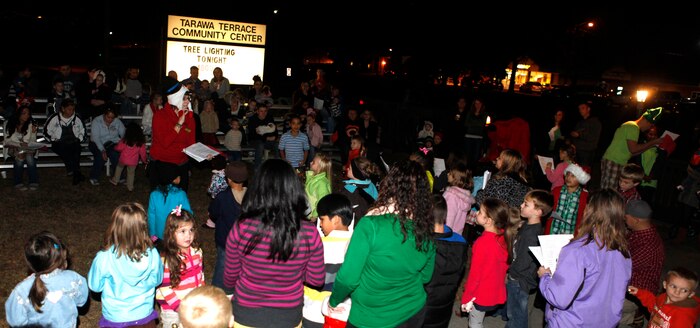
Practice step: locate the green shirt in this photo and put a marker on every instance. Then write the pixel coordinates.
(382, 275)
(618, 151)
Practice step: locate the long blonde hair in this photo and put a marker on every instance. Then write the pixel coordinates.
(604, 221)
(128, 232)
(324, 165)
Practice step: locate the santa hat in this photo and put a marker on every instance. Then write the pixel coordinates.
(581, 175)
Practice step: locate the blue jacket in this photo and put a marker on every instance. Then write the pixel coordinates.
(67, 290)
(128, 288)
(100, 133)
(160, 206)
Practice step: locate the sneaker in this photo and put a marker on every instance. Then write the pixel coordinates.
(21, 187)
(94, 182)
(122, 180)
(33, 186)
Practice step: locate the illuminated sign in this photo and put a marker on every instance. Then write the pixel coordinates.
(237, 48)
(202, 29)
(238, 63)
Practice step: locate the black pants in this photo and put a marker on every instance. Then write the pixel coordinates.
(69, 154)
(416, 321)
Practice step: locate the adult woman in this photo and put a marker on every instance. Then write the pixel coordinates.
(475, 130)
(173, 131)
(219, 83)
(105, 133)
(509, 184)
(100, 95)
(272, 251)
(66, 131)
(391, 254)
(592, 270)
(22, 130)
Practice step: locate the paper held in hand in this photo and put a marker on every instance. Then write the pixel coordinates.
(543, 162)
(548, 251)
(34, 146)
(673, 136)
(199, 151)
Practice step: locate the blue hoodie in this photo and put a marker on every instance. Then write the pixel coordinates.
(128, 288)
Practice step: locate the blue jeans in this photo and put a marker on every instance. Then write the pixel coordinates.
(260, 146)
(516, 305)
(98, 163)
(31, 168)
(218, 277)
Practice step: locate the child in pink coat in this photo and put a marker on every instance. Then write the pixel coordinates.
(458, 197)
(567, 153)
(131, 148)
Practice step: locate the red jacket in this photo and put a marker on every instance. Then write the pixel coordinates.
(487, 271)
(167, 144)
(583, 200)
(683, 314)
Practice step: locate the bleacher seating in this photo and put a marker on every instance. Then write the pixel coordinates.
(47, 158)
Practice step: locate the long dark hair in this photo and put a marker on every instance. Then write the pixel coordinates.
(133, 135)
(276, 199)
(44, 253)
(14, 122)
(171, 252)
(406, 189)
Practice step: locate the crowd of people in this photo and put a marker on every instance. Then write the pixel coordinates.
(384, 246)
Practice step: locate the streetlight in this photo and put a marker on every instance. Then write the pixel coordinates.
(641, 98)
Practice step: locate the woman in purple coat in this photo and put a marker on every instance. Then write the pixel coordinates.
(590, 283)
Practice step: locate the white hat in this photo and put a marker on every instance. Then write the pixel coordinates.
(582, 176)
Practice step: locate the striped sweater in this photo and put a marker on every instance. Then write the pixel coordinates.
(262, 282)
(191, 277)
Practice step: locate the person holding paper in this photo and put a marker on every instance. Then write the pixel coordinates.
(509, 183)
(593, 270)
(569, 202)
(22, 130)
(567, 154)
(173, 131)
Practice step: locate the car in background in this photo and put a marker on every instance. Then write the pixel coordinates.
(531, 87)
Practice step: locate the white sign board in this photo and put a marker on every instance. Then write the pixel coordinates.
(211, 30)
(238, 63)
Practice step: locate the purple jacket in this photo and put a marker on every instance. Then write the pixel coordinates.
(459, 202)
(602, 278)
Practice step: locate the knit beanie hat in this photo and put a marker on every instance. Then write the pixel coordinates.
(582, 176)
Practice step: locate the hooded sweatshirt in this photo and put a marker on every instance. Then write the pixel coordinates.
(459, 203)
(128, 287)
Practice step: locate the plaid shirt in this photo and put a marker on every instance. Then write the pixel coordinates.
(630, 194)
(647, 252)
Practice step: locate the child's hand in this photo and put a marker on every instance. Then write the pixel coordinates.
(469, 306)
(632, 290)
(548, 166)
(542, 271)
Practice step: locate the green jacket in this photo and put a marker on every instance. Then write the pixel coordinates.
(316, 187)
(382, 274)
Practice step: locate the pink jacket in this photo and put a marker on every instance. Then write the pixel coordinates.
(129, 155)
(556, 176)
(459, 203)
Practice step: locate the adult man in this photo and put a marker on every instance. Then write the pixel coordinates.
(194, 79)
(586, 135)
(625, 144)
(262, 133)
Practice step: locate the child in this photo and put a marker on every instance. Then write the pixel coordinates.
(360, 187)
(127, 270)
(630, 177)
(425, 160)
(225, 209)
(182, 264)
(315, 134)
(357, 149)
(593, 269)
(50, 296)
(233, 140)
(164, 198)
(678, 306)
(294, 144)
(147, 120)
(335, 219)
(218, 176)
(450, 262)
(569, 202)
(567, 154)
(206, 307)
(318, 181)
(131, 148)
(458, 197)
(484, 290)
(426, 132)
(210, 124)
(521, 284)
(647, 253)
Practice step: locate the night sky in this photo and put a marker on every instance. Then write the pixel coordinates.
(661, 42)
